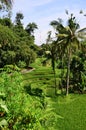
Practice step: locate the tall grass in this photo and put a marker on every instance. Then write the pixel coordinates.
(73, 111)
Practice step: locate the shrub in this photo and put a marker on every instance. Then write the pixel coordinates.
(21, 64)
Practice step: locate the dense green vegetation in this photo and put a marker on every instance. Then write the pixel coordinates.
(42, 87)
(32, 104)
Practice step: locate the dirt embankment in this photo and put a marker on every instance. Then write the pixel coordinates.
(27, 70)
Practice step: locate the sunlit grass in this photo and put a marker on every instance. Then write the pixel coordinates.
(71, 110)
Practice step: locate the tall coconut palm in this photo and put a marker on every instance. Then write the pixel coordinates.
(52, 55)
(68, 38)
(31, 27)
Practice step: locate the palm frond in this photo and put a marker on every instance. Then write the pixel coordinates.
(82, 30)
(66, 11)
(62, 35)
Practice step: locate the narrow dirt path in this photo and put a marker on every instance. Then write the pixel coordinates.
(24, 71)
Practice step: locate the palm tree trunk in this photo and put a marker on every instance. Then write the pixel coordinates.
(68, 71)
(62, 73)
(53, 67)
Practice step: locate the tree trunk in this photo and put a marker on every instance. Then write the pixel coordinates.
(62, 73)
(53, 67)
(68, 71)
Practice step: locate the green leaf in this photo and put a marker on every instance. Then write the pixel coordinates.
(4, 107)
(3, 122)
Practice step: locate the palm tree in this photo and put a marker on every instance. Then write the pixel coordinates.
(31, 27)
(19, 17)
(52, 55)
(68, 38)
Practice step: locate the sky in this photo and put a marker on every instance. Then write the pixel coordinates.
(42, 12)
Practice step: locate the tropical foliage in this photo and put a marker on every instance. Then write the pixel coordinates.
(34, 79)
(68, 40)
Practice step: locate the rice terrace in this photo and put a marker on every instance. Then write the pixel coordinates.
(42, 76)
